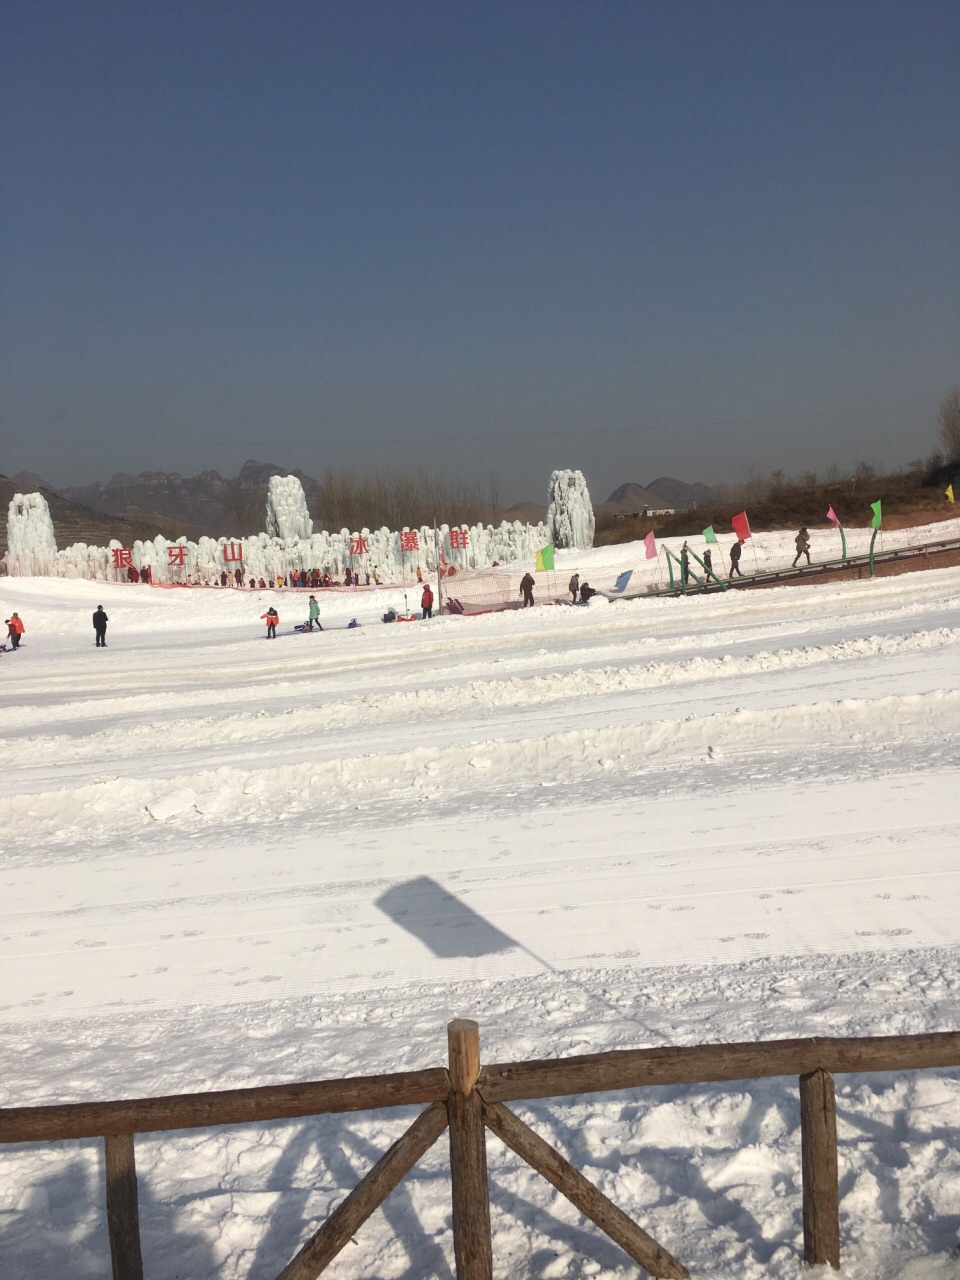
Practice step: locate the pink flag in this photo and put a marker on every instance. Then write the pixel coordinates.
(650, 543)
(832, 516)
(741, 525)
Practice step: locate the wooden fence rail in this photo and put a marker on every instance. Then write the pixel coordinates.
(467, 1098)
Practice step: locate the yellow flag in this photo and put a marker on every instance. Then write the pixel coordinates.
(949, 492)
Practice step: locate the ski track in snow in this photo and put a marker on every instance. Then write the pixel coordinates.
(228, 862)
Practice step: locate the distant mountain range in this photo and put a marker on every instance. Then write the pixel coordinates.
(657, 495)
(168, 503)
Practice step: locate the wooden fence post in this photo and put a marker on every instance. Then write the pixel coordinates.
(821, 1208)
(123, 1217)
(468, 1154)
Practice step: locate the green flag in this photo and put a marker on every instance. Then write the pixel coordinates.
(545, 557)
(877, 519)
(708, 534)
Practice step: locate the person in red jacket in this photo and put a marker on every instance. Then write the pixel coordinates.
(273, 621)
(15, 629)
(426, 601)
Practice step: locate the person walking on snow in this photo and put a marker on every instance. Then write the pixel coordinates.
(100, 621)
(802, 541)
(314, 614)
(15, 629)
(736, 551)
(527, 583)
(685, 563)
(426, 601)
(574, 587)
(273, 621)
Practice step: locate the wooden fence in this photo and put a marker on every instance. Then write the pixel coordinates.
(469, 1098)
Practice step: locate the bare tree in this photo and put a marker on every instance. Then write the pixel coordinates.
(948, 419)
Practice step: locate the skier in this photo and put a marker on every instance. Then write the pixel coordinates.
(314, 615)
(527, 583)
(574, 587)
(272, 620)
(426, 601)
(736, 551)
(100, 621)
(802, 541)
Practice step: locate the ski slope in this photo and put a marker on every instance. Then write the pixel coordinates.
(234, 861)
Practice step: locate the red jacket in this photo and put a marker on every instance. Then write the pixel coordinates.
(426, 600)
(16, 624)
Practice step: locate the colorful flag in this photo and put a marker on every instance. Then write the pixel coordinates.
(832, 515)
(741, 526)
(650, 543)
(877, 518)
(708, 534)
(545, 557)
(948, 493)
(624, 578)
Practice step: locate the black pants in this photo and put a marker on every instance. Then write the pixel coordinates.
(797, 557)
(527, 598)
(271, 631)
(101, 637)
(427, 613)
(735, 569)
(15, 639)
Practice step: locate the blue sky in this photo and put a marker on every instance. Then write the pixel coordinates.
(636, 238)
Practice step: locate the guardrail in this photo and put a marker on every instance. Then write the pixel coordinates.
(469, 1098)
(690, 583)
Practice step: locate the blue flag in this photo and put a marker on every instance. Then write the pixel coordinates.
(621, 582)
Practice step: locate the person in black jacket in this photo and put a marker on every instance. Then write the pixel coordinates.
(100, 626)
(527, 583)
(736, 551)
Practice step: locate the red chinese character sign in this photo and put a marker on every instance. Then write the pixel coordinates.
(358, 545)
(122, 557)
(459, 539)
(409, 540)
(177, 554)
(232, 551)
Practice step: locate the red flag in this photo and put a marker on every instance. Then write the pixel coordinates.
(832, 516)
(741, 525)
(650, 543)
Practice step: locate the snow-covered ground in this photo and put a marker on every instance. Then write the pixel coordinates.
(233, 861)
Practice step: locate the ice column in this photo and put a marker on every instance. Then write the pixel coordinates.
(570, 521)
(287, 514)
(31, 545)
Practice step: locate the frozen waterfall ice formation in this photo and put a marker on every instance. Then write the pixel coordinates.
(287, 513)
(289, 543)
(570, 521)
(31, 545)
